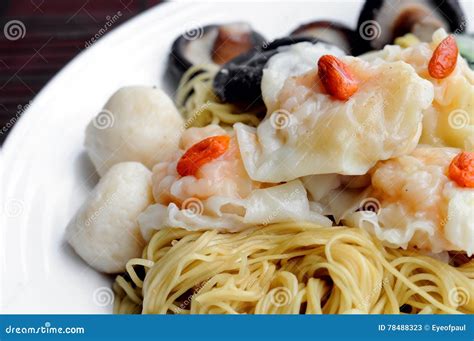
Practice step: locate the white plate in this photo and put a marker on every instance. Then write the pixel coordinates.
(47, 174)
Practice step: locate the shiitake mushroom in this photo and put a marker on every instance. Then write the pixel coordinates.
(239, 80)
(215, 44)
(328, 31)
(381, 21)
(289, 40)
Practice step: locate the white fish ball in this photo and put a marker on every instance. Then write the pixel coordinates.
(138, 123)
(105, 232)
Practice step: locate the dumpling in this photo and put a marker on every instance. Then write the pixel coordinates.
(311, 133)
(281, 203)
(224, 176)
(104, 232)
(449, 121)
(138, 123)
(337, 195)
(413, 203)
(293, 60)
(221, 195)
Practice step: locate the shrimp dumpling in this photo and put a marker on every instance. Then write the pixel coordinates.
(104, 232)
(293, 60)
(308, 132)
(220, 194)
(417, 204)
(449, 121)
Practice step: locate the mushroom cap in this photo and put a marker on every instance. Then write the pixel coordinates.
(331, 32)
(195, 47)
(239, 81)
(381, 21)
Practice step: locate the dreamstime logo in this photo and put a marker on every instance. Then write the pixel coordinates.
(111, 20)
(105, 119)
(265, 44)
(23, 108)
(459, 296)
(193, 32)
(189, 122)
(13, 208)
(370, 30)
(374, 292)
(286, 202)
(461, 27)
(14, 30)
(12, 121)
(192, 207)
(280, 296)
(188, 301)
(103, 296)
(99, 211)
(458, 119)
(369, 206)
(469, 143)
(281, 119)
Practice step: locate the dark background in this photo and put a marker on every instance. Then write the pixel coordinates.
(55, 32)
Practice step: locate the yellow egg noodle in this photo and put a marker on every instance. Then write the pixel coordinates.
(200, 106)
(289, 268)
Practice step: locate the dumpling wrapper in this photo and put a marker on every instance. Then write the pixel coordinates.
(293, 60)
(282, 203)
(449, 121)
(407, 201)
(459, 228)
(398, 227)
(338, 195)
(312, 133)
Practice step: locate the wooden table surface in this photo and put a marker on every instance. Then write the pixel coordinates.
(38, 37)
